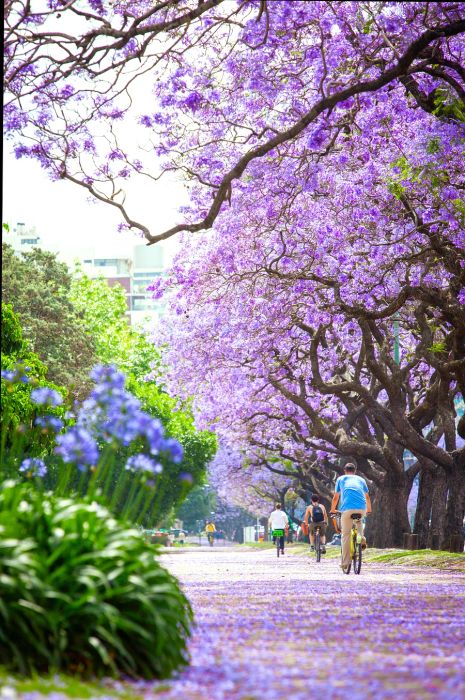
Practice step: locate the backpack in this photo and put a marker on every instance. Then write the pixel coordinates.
(317, 514)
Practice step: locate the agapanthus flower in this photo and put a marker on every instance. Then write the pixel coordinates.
(113, 413)
(108, 374)
(174, 448)
(33, 466)
(44, 396)
(16, 375)
(77, 445)
(49, 423)
(143, 463)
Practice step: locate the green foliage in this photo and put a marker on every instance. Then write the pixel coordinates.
(448, 107)
(12, 335)
(199, 448)
(38, 286)
(18, 411)
(81, 593)
(438, 346)
(63, 686)
(197, 507)
(104, 310)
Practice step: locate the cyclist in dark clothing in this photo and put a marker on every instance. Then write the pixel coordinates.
(316, 516)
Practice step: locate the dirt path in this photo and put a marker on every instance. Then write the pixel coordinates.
(290, 629)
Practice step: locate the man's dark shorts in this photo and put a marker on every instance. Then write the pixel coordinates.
(312, 526)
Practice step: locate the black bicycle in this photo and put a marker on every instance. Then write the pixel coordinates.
(317, 543)
(279, 537)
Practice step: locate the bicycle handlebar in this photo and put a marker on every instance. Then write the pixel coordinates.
(340, 512)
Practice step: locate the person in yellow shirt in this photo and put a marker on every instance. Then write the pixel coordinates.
(210, 529)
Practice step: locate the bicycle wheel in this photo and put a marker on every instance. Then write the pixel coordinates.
(277, 547)
(317, 545)
(357, 558)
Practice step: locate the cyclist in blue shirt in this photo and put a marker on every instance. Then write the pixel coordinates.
(351, 496)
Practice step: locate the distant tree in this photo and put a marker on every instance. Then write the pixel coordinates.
(104, 310)
(38, 286)
(195, 508)
(199, 447)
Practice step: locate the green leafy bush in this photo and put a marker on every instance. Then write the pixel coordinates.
(23, 371)
(81, 593)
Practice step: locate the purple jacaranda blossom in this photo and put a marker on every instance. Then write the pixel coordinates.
(143, 463)
(33, 466)
(233, 592)
(44, 396)
(77, 445)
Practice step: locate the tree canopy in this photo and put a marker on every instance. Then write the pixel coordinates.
(38, 287)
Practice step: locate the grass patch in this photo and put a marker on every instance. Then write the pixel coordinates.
(418, 557)
(69, 686)
(405, 557)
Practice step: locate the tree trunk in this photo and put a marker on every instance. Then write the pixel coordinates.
(424, 505)
(390, 515)
(455, 497)
(438, 509)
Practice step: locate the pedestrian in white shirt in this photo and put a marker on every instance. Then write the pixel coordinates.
(278, 520)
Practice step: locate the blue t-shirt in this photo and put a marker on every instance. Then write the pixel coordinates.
(352, 489)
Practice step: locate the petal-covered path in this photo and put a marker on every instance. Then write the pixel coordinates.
(292, 629)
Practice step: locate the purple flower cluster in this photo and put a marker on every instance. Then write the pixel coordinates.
(44, 396)
(143, 463)
(112, 414)
(49, 423)
(77, 446)
(17, 375)
(33, 467)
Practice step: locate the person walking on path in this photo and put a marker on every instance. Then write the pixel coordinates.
(316, 516)
(350, 496)
(278, 520)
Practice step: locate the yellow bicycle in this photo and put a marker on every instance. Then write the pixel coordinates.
(356, 542)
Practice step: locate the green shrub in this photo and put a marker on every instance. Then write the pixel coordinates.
(81, 593)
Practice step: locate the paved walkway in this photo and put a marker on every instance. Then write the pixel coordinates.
(290, 629)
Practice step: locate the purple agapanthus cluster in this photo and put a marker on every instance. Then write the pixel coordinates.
(112, 414)
(19, 374)
(77, 446)
(143, 463)
(33, 466)
(44, 396)
(49, 423)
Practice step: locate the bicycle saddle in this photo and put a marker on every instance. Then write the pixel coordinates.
(356, 516)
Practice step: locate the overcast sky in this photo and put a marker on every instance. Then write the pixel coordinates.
(67, 221)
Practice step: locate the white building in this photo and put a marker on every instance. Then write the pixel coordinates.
(23, 239)
(133, 265)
